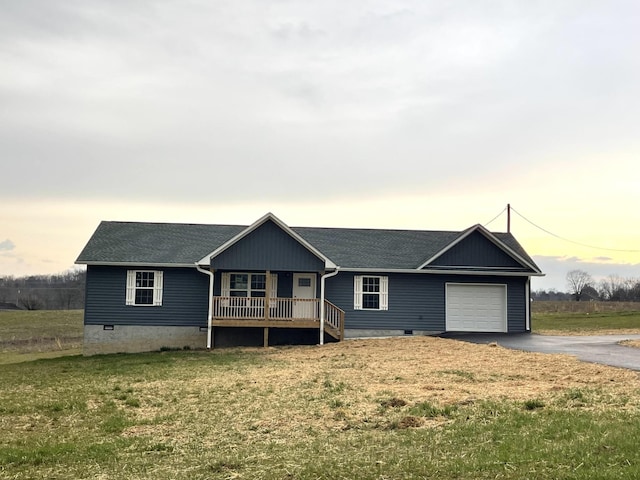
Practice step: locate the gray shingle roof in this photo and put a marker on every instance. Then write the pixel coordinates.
(154, 243)
(185, 244)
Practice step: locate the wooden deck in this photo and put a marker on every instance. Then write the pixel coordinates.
(277, 313)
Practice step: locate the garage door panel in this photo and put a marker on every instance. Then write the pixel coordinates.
(476, 308)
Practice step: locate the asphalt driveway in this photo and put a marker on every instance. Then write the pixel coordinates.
(603, 349)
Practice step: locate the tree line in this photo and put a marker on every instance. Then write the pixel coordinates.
(63, 291)
(582, 287)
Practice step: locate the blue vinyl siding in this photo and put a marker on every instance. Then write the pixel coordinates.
(417, 301)
(268, 247)
(184, 298)
(476, 251)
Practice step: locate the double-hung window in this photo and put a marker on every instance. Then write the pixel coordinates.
(144, 287)
(370, 292)
(249, 285)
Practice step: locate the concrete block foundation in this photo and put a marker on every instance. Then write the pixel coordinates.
(101, 339)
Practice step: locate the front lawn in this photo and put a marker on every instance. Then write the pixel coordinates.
(400, 408)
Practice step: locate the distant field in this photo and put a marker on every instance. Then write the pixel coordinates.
(29, 335)
(585, 318)
(583, 307)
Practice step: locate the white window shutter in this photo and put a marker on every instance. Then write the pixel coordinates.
(130, 297)
(157, 288)
(357, 292)
(225, 284)
(384, 293)
(225, 288)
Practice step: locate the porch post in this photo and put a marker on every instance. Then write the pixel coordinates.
(266, 336)
(267, 295)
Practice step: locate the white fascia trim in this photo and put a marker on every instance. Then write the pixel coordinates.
(139, 264)
(492, 238)
(269, 216)
(501, 273)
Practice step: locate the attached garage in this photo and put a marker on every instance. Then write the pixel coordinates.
(476, 307)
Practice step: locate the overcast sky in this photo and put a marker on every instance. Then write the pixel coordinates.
(401, 114)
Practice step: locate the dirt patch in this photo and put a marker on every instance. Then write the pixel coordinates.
(631, 343)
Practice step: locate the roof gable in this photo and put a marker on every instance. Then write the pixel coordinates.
(271, 226)
(476, 247)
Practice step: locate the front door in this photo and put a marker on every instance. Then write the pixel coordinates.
(304, 294)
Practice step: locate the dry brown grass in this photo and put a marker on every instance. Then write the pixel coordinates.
(346, 385)
(631, 343)
(589, 331)
(447, 371)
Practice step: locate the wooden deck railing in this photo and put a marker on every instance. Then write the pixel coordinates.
(295, 311)
(334, 317)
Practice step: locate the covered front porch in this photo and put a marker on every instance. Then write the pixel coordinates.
(268, 276)
(278, 312)
(267, 299)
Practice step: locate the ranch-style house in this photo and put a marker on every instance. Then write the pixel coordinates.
(166, 285)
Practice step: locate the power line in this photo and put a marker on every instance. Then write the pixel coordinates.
(495, 218)
(568, 240)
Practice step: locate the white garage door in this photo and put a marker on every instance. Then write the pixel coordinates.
(476, 308)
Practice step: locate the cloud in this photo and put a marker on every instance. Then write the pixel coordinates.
(368, 96)
(6, 245)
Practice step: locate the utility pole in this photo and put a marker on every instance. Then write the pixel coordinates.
(508, 218)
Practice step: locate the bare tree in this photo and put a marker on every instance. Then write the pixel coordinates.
(610, 288)
(577, 281)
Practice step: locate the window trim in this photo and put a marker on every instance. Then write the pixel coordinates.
(131, 288)
(358, 293)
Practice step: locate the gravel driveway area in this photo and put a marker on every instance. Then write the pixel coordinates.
(602, 349)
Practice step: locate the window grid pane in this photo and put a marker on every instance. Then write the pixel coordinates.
(371, 301)
(239, 281)
(144, 279)
(144, 296)
(258, 281)
(370, 284)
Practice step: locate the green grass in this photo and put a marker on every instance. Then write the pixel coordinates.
(585, 322)
(32, 335)
(199, 415)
